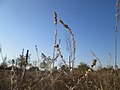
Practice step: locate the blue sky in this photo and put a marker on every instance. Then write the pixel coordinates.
(25, 23)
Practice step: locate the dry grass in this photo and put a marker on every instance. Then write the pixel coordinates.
(62, 80)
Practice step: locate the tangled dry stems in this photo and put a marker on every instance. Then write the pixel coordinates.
(62, 80)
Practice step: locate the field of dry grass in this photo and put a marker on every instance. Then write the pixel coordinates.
(103, 79)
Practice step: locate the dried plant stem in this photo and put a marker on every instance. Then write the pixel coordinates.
(58, 49)
(73, 40)
(96, 58)
(13, 79)
(55, 35)
(55, 40)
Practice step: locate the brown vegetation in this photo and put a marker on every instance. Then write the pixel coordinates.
(103, 79)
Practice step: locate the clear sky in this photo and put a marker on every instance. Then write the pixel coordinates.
(25, 23)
